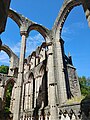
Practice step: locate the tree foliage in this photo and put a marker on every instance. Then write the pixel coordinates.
(8, 97)
(4, 69)
(84, 85)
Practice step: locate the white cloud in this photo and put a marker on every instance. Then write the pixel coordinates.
(65, 30)
(71, 31)
(32, 43)
(4, 59)
(16, 48)
(78, 25)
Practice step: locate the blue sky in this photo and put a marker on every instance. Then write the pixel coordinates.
(75, 32)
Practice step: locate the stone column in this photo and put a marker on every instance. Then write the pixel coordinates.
(42, 54)
(29, 96)
(32, 93)
(36, 91)
(86, 7)
(12, 99)
(1, 90)
(51, 84)
(23, 96)
(59, 70)
(18, 96)
(35, 94)
(26, 103)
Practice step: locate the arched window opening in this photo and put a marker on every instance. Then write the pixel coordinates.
(76, 33)
(7, 97)
(29, 93)
(11, 37)
(34, 40)
(11, 42)
(4, 62)
(35, 49)
(4, 58)
(43, 85)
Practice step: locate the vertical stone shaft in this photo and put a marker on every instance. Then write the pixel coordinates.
(22, 105)
(51, 85)
(35, 94)
(86, 7)
(1, 91)
(59, 71)
(18, 96)
(31, 94)
(26, 97)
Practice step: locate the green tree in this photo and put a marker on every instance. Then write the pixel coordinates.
(8, 97)
(4, 69)
(84, 85)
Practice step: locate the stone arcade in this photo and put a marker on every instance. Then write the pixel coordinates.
(45, 80)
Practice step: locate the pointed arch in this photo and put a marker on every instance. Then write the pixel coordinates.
(6, 49)
(63, 14)
(42, 70)
(8, 90)
(15, 17)
(31, 75)
(10, 80)
(41, 29)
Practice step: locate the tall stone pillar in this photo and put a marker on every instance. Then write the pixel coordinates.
(23, 95)
(18, 95)
(59, 70)
(1, 90)
(51, 84)
(35, 97)
(2, 87)
(86, 7)
(12, 99)
(26, 99)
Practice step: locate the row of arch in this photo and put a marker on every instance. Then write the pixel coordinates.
(58, 25)
(33, 88)
(65, 10)
(20, 20)
(57, 28)
(6, 86)
(29, 84)
(63, 14)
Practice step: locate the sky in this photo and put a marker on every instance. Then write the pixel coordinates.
(75, 32)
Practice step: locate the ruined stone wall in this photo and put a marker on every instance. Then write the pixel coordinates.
(73, 81)
(47, 78)
(35, 85)
(4, 6)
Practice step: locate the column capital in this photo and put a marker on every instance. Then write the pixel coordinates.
(24, 30)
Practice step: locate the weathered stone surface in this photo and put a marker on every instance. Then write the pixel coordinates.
(4, 6)
(45, 80)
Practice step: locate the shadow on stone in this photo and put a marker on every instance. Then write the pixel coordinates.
(85, 107)
(3, 114)
(0, 42)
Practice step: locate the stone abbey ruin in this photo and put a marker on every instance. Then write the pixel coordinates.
(45, 80)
